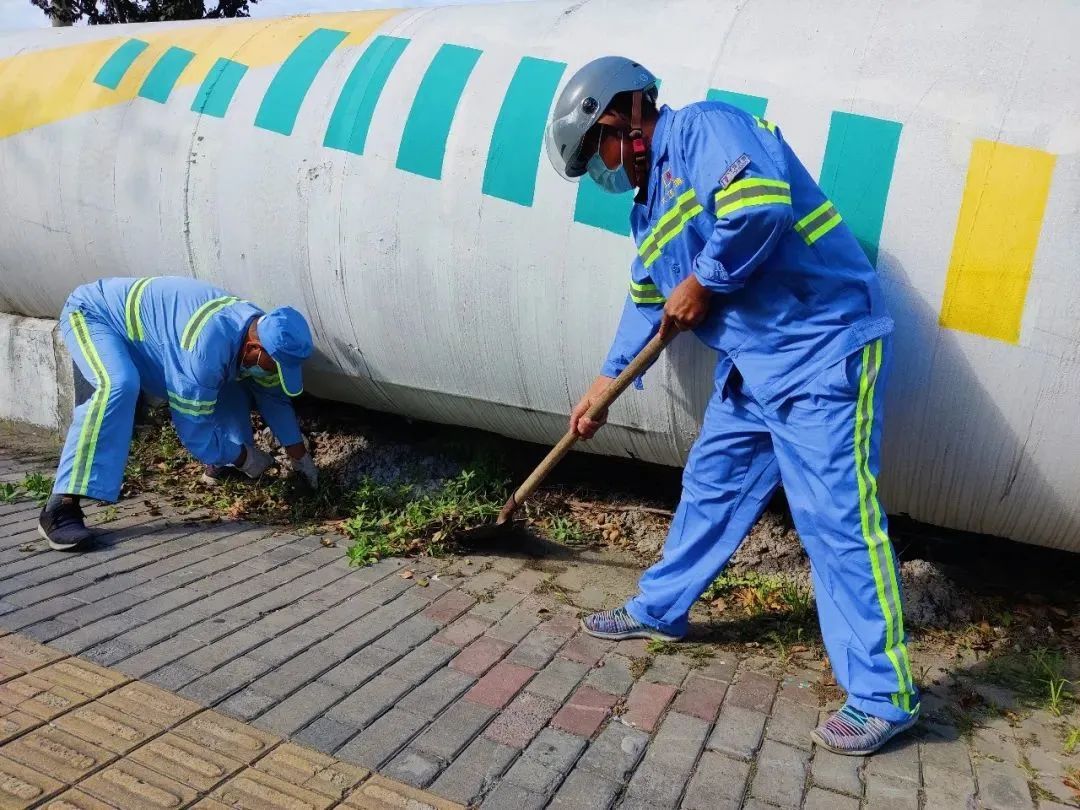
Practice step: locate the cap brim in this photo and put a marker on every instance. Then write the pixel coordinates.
(292, 380)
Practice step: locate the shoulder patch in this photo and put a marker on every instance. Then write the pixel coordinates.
(734, 170)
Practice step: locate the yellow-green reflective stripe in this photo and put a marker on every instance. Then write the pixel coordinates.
(281, 378)
(751, 187)
(645, 293)
(823, 229)
(195, 403)
(643, 287)
(132, 318)
(265, 382)
(818, 222)
(673, 231)
(650, 300)
(647, 244)
(197, 321)
(750, 182)
(761, 122)
(95, 414)
(765, 199)
(864, 420)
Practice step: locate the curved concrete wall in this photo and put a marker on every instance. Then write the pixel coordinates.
(383, 172)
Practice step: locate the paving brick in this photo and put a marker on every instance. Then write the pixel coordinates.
(889, 793)
(25, 654)
(359, 668)
(517, 624)
(436, 693)
(837, 772)
(327, 734)
(646, 704)
(22, 787)
(667, 669)
(312, 770)
(752, 691)
(208, 657)
(781, 774)
(413, 768)
(509, 796)
(418, 665)
(668, 761)
(585, 711)
(173, 676)
(536, 650)
(615, 752)
(454, 729)
(226, 736)
(379, 793)
(899, 759)
(495, 609)
(369, 701)
(409, 634)
(247, 704)
(463, 630)
(522, 720)
(562, 625)
(300, 708)
(1002, 786)
(737, 732)
(38, 697)
(179, 758)
(474, 771)
(585, 791)
(156, 706)
(82, 676)
(252, 789)
(947, 755)
(718, 783)
(61, 755)
(111, 652)
(449, 606)
(223, 681)
(480, 656)
(612, 675)
(585, 649)
(13, 723)
(482, 582)
(141, 663)
(791, 723)
(701, 697)
(557, 679)
(128, 784)
(106, 727)
(382, 739)
(818, 799)
(76, 800)
(499, 686)
(948, 788)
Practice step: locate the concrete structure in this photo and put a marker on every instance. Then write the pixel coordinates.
(383, 171)
(38, 381)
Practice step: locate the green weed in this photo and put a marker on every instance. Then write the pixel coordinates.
(9, 492)
(38, 486)
(566, 530)
(1072, 739)
(1037, 678)
(109, 514)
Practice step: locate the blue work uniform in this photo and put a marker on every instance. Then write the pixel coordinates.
(800, 324)
(178, 340)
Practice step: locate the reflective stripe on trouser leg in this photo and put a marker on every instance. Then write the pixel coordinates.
(95, 451)
(729, 478)
(827, 441)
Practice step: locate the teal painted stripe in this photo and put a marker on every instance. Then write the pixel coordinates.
(163, 75)
(351, 119)
(423, 141)
(218, 88)
(609, 212)
(755, 105)
(117, 65)
(857, 171)
(290, 84)
(518, 136)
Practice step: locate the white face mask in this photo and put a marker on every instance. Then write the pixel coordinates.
(613, 181)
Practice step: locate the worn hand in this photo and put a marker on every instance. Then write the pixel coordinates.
(255, 463)
(686, 307)
(579, 423)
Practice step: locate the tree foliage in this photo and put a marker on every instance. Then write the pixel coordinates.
(101, 12)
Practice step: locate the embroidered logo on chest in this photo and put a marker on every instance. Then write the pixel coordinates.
(671, 185)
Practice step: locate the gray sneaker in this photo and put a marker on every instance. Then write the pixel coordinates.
(618, 625)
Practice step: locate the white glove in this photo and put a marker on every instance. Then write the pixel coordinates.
(256, 462)
(306, 467)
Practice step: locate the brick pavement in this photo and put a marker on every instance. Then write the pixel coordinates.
(469, 682)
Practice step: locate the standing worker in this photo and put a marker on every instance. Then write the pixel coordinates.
(210, 354)
(737, 243)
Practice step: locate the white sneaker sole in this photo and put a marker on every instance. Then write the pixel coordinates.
(654, 635)
(53, 544)
(864, 752)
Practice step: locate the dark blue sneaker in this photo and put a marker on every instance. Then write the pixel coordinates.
(618, 625)
(63, 526)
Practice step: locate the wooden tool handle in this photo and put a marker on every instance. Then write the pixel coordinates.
(638, 366)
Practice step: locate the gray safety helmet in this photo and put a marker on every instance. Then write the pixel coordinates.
(583, 100)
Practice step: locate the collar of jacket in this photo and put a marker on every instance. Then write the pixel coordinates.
(658, 148)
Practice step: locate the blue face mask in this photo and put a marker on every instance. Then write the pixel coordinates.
(256, 371)
(613, 181)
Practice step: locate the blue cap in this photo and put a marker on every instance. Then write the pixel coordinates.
(285, 335)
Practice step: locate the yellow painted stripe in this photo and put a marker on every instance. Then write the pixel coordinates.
(994, 248)
(44, 86)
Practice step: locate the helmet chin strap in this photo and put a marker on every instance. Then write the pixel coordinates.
(641, 154)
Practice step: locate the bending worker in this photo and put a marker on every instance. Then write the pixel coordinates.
(210, 354)
(737, 243)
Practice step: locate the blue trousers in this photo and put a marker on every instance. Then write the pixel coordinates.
(95, 452)
(825, 446)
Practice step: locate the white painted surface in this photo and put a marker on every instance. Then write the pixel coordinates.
(429, 299)
(36, 372)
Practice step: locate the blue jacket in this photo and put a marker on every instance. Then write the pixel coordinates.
(729, 201)
(184, 337)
